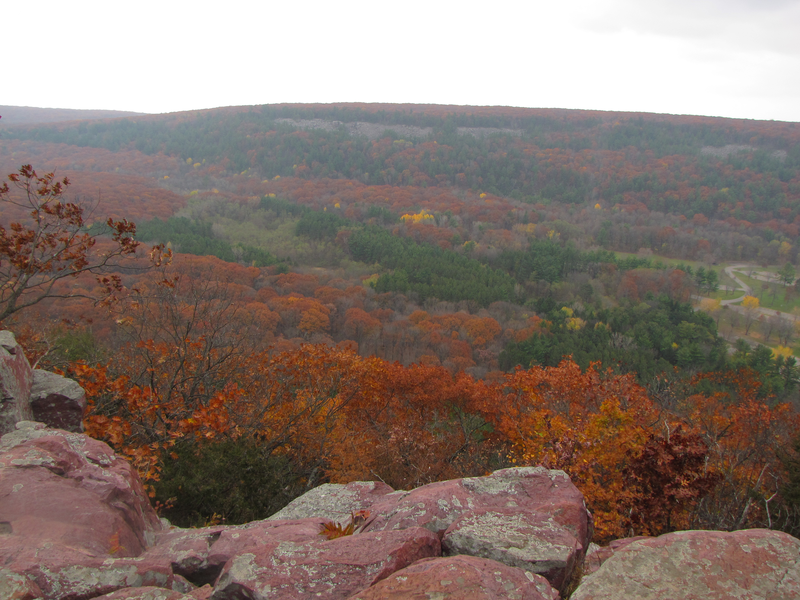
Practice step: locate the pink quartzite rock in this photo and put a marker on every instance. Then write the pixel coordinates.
(65, 574)
(57, 401)
(154, 593)
(540, 510)
(74, 516)
(67, 488)
(460, 578)
(186, 551)
(335, 502)
(322, 569)
(14, 586)
(436, 506)
(200, 554)
(16, 378)
(246, 538)
(597, 555)
(145, 593)
(534, 541)
(713, 565)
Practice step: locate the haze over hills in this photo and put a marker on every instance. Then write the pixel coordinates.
(491, 248)
(22, 115)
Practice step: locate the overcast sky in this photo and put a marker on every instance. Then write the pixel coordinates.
(731, 58)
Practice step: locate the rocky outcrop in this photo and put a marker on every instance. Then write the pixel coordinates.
(335, 501)
(16, 378)
(74, 515)
(35, 395)
(323, 568)
(532, 518)
(597, 555)
(537, 504)
(460, 578)
(57, 401)
(78, 524)
(534, 541)
(712, 565)
(75, 523)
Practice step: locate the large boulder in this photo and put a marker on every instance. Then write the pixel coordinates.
(331, 569)
(199, 555)
(245, 538)
(57, 401)
(437, 506)
(14, 586)
(714, 565)
(528, 517)
(16, 378)
(335, 501)
(534, 541)
(156, 593)
(35, 395)
(61, 487)
(460, 578)
(64, 574)
(68, 506)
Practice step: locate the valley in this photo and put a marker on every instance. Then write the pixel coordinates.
(409, 293)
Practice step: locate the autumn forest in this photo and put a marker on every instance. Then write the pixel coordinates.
(261, 299)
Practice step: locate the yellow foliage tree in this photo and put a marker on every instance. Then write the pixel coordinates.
(575, 323)
(750, 305)
(710, 305)
(422, 216)
(782, 351)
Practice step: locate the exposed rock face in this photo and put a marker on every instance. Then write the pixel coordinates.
(538, 512)
(460, 578)
(532, 518)
(17, 587)
(155, 593)
(68, 504)
(534, 541)
(16, 378)
(323, 569)
(35, 395)
(77, 524)
(436, 506)
(713, 565)
(256, 560)
(65, 575)
(57, 401)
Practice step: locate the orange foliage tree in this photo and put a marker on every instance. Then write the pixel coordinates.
(585, 423)
(196, 371)
(418, 424)
(746, 438)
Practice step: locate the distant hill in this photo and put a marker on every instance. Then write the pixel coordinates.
(29, 115)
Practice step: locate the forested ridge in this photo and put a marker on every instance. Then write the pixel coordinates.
(411, 293)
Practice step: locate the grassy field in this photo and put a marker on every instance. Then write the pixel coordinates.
(774, 296)
(672, 262)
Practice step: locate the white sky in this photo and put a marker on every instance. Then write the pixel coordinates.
(731, 58)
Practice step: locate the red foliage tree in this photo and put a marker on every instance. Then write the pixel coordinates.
(52, 244)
